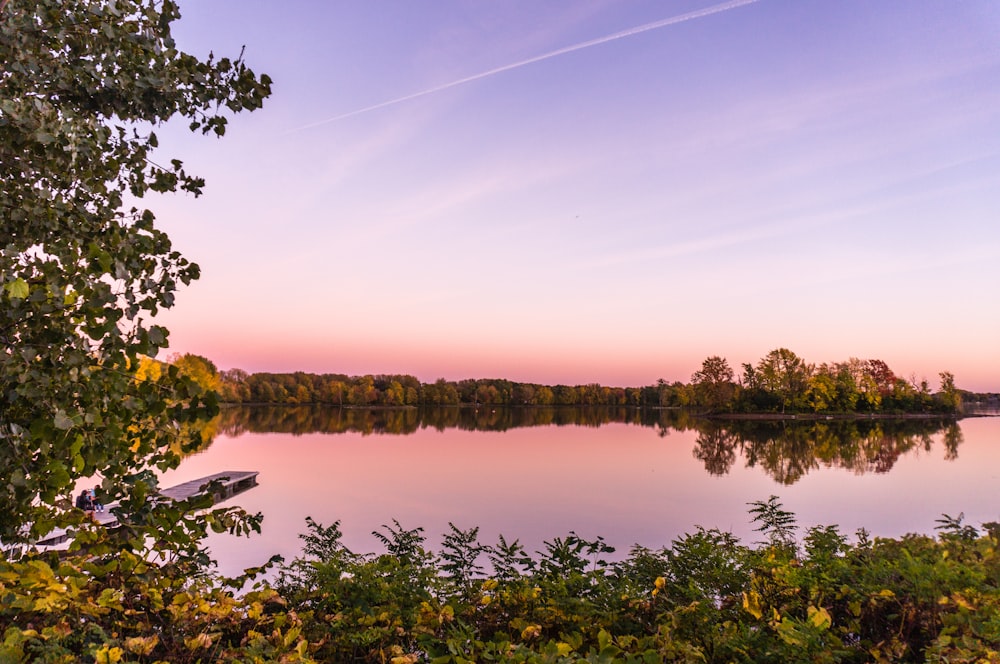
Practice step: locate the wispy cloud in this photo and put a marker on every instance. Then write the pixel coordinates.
(646, 27)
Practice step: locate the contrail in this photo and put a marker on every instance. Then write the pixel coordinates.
(673, 20)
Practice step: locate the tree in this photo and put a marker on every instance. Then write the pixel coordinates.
(199, 369)
(395, 395)
(83, 85)
(234, 388)
(821, 392)
(713, 383)
(881, 375)
(784, 374)
(949, 396)
(847, 386)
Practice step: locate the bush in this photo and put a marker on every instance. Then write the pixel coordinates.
(704, 598)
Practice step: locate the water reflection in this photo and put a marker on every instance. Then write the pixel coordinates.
(633, 477)
(788, 450)
(300, 420)
(785, 449)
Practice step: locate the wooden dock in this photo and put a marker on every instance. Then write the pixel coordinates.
(233, 482)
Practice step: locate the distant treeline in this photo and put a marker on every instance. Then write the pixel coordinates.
(781, 382)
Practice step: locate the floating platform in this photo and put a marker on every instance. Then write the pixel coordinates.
(232, 482)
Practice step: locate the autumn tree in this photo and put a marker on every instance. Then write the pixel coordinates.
(234, 388)
(821, 392)
(949, 396)
(784, 374)
(199, 369)
(847, 386)
(83, 87)
(713, 383)
(881, 375)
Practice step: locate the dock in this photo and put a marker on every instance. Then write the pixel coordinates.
(233, 482)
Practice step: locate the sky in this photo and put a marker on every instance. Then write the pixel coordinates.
(596, 191)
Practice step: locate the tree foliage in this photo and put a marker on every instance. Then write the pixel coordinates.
(83, 86)
(780, 382)
(713, 383)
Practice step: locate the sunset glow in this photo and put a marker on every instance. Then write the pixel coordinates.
(596, 192)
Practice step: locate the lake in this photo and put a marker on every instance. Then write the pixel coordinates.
(533, 474)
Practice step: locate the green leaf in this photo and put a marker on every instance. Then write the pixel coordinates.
(62, 420)
(17, 289)
(79, 270)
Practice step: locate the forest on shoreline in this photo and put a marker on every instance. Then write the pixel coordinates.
(780, 383)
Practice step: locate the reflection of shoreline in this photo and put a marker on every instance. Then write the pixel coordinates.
(787, 450)
(849, 417)
(678, 411)
(785, 447)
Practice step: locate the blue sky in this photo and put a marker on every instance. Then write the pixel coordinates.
(817, 175)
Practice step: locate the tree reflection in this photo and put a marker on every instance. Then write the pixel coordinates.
(785, 449)
(716, 448)
(298, 420)
(952, 439)
(788, 450)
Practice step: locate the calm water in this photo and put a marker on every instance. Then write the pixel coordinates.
(541, 473)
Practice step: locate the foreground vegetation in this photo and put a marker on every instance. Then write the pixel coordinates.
(85, 84)
(704, 598)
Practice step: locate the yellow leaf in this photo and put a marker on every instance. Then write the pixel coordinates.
(141, 645)
(291, 635)
(531, 632)
(751, 602)
(962, 602)
(405, 659)
(197, 642)
(106, 655)
(819, 617)
(886, 593)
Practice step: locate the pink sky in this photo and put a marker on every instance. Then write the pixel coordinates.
(535, 192)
